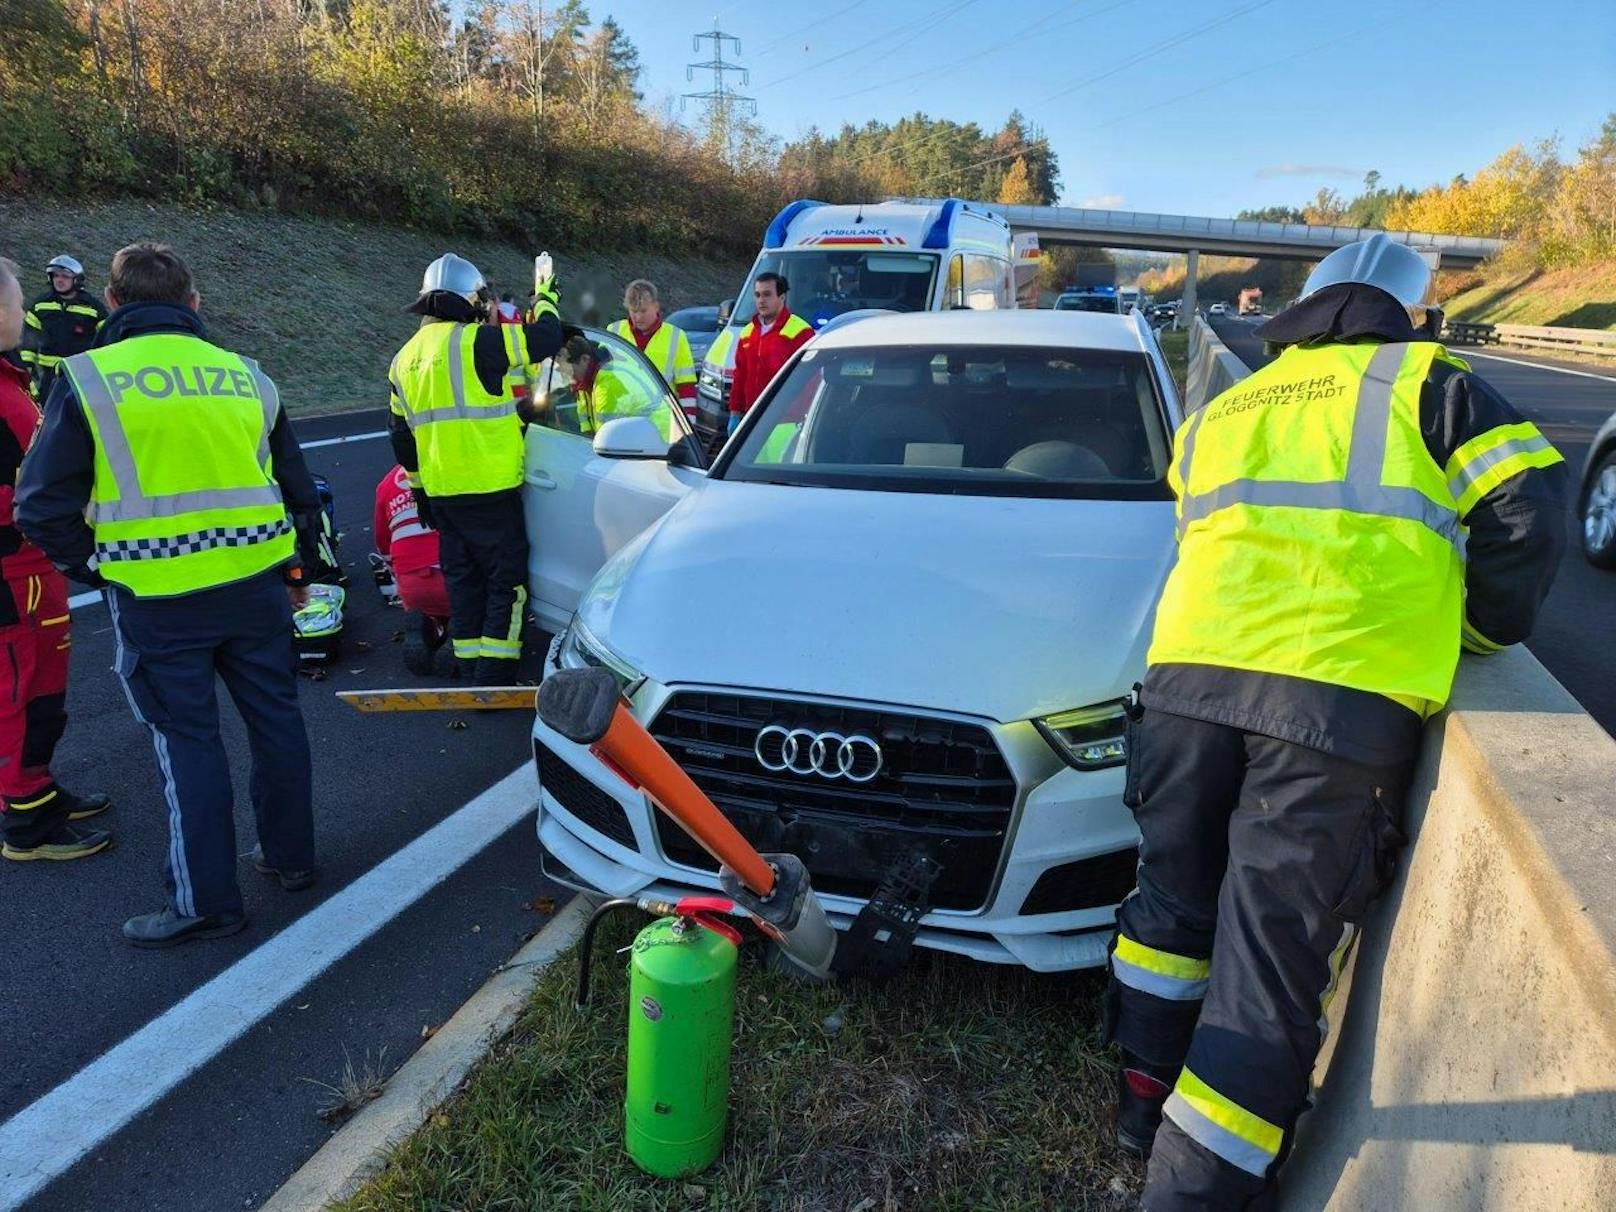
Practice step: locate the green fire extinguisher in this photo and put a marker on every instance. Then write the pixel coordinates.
(681, 1013)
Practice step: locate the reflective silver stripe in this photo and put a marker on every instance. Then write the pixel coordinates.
(500, 408)
(1361, 491)
(132, 504)
(1186, 454)
(1173, 988)
(269, 398)
(1235, 1150)
(1379, 500)
(673, 352)
(410, 530)
(1472, 471)
(457, 371)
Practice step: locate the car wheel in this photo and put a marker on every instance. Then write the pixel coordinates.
(1599, 514)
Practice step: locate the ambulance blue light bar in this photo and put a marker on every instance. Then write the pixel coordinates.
(775, 236)
(937, 234)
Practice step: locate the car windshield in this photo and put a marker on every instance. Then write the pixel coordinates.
(695, 319)
(828, 282)
(1101, 303)
(987, 420)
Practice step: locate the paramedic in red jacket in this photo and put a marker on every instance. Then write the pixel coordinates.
(411, 549)
(39, 814)
(768, 340)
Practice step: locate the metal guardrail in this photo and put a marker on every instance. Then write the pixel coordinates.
(1463, 332)
(1213, 366)
(1563, 340)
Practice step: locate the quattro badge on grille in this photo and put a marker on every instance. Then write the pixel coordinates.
(856, 758)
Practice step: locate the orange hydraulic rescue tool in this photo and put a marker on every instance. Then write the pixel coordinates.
(586, 707)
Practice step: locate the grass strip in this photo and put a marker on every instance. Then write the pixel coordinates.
(959, 1087)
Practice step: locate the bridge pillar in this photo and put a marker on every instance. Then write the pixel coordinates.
(1186, 306)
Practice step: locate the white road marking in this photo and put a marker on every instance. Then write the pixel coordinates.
(352, 437)
(94, 595)
(1561, 370)
(50, 1135)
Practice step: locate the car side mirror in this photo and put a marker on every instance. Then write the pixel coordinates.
(630, 438)
(725, 310)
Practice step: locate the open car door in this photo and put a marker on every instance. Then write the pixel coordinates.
(608, 453)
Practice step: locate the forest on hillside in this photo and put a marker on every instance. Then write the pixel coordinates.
(491, 117)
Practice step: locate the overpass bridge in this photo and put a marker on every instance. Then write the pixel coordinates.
(1193, 235)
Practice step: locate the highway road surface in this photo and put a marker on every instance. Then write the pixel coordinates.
(148, 1087)
(1568, 401)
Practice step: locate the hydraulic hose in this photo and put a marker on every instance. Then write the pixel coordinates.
(587, 944)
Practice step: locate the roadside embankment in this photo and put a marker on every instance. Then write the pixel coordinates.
(1583, 296)
(320, 302)
(1472, 1064)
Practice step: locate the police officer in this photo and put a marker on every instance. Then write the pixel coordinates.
(458, 436)
(61, 322)
(1349, 515)
(165, 471)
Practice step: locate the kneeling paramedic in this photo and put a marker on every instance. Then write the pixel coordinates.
(1349, 515)
(164, 471)
(457, 433)
(35, 630)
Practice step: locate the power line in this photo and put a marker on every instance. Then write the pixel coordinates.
(1026, 32)
(908, 29)
(768, 48)
(721, 98)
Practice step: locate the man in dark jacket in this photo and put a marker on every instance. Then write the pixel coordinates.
(61, 322)
(39, 815)
(1349, 515)
(167, 473)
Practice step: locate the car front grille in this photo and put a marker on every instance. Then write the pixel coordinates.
(942, 788)
(1087, 883)
(582, 798)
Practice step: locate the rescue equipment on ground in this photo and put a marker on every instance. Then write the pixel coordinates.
(317, 626)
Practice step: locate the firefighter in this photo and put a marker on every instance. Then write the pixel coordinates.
(1349, 516)
(62, 322)
(765, 344)
(167, 473)
(39, 814)
(665, 347)
(457, 434)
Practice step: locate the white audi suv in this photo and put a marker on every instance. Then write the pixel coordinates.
(899, 614)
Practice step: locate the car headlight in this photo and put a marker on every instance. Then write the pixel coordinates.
(580, 649)
(1089, 738)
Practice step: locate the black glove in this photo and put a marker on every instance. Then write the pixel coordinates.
(423, 508)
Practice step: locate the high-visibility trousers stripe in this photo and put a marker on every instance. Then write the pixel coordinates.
(1222, 1125)
(1179, 978)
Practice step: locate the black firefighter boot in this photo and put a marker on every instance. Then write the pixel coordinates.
(1142, 1089)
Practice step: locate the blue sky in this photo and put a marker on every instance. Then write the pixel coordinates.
(1200, 107)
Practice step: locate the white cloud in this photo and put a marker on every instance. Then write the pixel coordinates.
(1307, 170)
(1104, 202)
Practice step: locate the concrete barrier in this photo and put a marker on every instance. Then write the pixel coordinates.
(1213, 367)
(1471, 1063)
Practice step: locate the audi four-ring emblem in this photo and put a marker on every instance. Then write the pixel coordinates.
(856, 758)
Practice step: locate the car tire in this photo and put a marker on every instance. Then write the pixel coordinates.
(1599, 514)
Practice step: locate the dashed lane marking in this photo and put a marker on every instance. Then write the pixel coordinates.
(50, 1135)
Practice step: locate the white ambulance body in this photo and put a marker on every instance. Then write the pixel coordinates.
(891, 256)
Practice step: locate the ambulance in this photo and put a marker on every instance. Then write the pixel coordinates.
(886, 256)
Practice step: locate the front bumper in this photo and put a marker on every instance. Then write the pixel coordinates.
(606, 840)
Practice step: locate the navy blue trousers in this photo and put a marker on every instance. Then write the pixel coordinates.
(170, 651)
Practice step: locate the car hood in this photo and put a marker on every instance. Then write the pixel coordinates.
(990, 606)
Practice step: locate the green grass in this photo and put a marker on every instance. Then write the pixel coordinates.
(1584, 297)
(958, 1088)
(320, 302)
(1175, 347)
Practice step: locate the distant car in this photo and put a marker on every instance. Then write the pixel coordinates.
(1107, 302)
(1596, 500)
(700, 324)
(1218, 309)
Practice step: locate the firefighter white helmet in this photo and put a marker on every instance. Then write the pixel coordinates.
(457, 276)
(64, 264)
(1383, 263)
